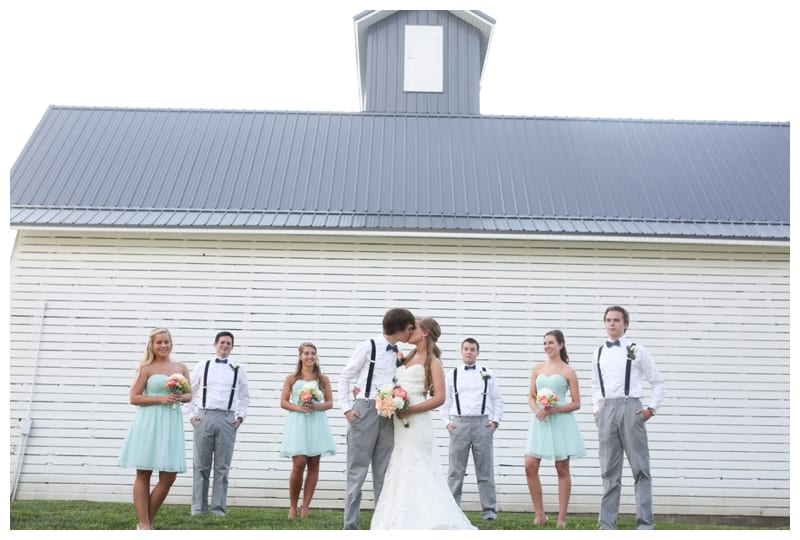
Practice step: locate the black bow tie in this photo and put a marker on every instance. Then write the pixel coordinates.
(218, 361)
(469, 367)
(391, 347)
(610, 344)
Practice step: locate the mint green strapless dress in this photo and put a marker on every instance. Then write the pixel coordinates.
(306, 434)
(558, 437)
(155, 440)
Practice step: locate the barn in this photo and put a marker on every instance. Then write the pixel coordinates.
(292, 226)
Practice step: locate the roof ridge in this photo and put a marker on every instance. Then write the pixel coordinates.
(420, 115)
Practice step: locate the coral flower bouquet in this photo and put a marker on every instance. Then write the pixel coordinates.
(546, 398)
(308, 394)
(177, 384)
(392, 398)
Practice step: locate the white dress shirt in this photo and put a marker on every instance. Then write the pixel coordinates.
(470, 394)
(356, 370)
(613, 363)
(218, 388)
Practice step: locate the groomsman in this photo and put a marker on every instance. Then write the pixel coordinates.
(619, 369)
(472, 410)
(370, 439)
(220, 396)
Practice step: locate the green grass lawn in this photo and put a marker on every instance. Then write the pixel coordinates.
(84, 515)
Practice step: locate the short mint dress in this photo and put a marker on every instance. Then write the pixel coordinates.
(558, 437)
(306, 434)
(155, 440)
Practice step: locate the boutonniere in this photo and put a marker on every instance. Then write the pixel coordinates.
(631, 351)
(485, 374)
(400, 358)
(234, 366)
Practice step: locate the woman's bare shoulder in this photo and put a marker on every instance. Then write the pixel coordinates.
(537, 367)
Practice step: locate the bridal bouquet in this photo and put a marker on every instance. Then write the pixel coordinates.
(392, 398)
(177, 384)
(309, 392)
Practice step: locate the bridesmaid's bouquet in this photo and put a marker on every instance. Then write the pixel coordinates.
(308, 393)
(392, 398)
(177, 384)
(546, 398)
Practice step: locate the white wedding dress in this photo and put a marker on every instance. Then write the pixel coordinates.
(415, 493)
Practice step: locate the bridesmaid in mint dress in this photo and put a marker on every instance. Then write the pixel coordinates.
(553, 432)
(155, 440)
(307, 433)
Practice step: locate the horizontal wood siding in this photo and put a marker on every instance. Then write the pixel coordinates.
(715, 317)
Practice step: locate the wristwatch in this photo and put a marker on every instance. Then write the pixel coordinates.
(652, 411)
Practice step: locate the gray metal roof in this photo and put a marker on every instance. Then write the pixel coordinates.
(107, 167)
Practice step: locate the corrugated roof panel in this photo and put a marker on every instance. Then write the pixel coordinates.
(609, 176)
(25, 215)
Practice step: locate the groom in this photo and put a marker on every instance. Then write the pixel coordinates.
(370, 438)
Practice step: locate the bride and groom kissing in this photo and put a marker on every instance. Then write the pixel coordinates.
(409, 487)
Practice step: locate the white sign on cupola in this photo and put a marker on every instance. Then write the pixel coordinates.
(424, 59)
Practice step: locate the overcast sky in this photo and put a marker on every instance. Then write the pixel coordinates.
(676, 59)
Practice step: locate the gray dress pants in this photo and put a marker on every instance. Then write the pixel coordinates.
(370, 440)
(471, 433)
(620, 429)
(214, 437)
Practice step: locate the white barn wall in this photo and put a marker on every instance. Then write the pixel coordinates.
(715, 317)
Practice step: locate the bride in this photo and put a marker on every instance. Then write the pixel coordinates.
(415, 493)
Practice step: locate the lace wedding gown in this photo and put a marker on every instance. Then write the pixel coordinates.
(415, 493)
